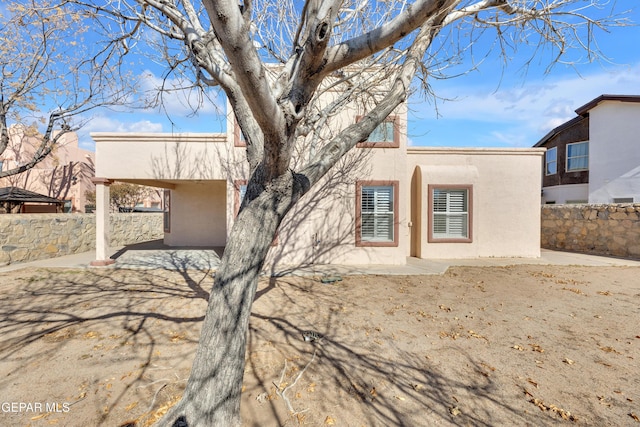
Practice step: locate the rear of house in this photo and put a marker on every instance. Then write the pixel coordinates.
(382, 203)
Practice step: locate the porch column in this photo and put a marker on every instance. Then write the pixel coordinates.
(102, 222)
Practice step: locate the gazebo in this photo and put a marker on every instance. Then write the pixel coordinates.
(19, 200)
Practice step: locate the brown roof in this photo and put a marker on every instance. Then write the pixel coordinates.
(19, 195)
(583, 112)
(591, 104)
(557, 130)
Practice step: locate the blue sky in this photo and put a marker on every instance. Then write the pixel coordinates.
(493, 106)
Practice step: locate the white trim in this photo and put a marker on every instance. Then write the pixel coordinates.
(567, 158)
(546, 162)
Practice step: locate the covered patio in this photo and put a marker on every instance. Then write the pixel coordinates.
(192, 169)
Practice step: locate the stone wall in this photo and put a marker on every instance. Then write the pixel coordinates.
(29, 237)
(593, 229)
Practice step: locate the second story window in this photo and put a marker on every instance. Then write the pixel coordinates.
(578, 156)
(385, 135)
(551, 161)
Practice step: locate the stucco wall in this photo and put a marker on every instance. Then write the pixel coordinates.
(198, 214)
(29, 237)
(505, 184)
(594, 229)
(613, 151)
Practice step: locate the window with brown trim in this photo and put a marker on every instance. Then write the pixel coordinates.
(166, 213)
(377, 213)
(385, 135)
(240, 187)
(450, 214)
(238, 137)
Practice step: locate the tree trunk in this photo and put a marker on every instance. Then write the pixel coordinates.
(212, 395)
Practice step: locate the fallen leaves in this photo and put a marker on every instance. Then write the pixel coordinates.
(176, 336)
(565, 415)
(60, 335)
(329, 421)
(455, 411)
(131, 406)
(472, 334)
(574, 290)
(610, 350)
(532, 382)
(536, 347)
(568, 361)
(634, 416)
(604, 401)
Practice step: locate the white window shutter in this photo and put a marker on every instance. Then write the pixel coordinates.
(377, 214)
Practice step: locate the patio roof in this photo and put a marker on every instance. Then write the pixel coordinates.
(20, 195)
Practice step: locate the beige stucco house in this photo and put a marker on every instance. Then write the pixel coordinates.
(385, 202)
(65, 174)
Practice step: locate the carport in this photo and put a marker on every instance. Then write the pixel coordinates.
(193, 169)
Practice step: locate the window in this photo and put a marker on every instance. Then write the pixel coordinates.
(385, 135)
(376, 213)
(1, 165)
(578, 156)
(551, 161)
(450, 213)
(623, 200)
(166, 214)
(241, 190)
(238, 137)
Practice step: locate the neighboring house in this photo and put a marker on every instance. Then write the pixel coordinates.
(65, 174)
(383, 203)
(595, 157)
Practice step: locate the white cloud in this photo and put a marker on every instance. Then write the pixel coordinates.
(534, 107)
(178, 98)
(102, 123)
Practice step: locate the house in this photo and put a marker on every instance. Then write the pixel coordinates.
(65, 174)
(384, 202)
(595, 157)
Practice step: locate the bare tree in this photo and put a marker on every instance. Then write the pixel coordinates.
(275, 60)
(50, 74)
(127, 196)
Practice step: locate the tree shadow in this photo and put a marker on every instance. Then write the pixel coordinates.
(379, 379)
(86, 327)
(320, 228)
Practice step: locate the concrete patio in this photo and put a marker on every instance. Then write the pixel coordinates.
(154, 254)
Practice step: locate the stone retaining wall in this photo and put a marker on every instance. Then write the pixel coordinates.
(593, 229)
(29, 237)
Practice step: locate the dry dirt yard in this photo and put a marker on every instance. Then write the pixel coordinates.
(521, 345)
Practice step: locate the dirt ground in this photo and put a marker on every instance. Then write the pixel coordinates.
(522, 345)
